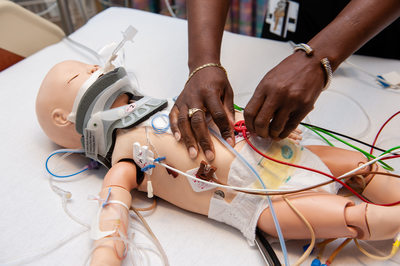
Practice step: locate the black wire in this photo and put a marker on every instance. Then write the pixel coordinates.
(348, 137)
(271, 255)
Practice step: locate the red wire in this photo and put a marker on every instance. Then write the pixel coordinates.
(380, 130)
(391, 157)
(240, 127)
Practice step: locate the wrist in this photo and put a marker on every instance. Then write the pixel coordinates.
(322, 66)
(199, 68)
(324, 51)
(194, 63)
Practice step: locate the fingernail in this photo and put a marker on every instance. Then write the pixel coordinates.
(209, 155)
(192, 153)
(177, 136)
(230, 141)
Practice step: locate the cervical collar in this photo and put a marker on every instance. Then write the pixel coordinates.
(97, 122)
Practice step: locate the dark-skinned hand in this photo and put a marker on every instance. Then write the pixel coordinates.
(285, 96)
(209, 90)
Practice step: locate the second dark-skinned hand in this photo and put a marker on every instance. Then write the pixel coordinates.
(285, 96)
(209, 90)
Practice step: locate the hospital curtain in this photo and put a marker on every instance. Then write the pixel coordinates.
(244, 17)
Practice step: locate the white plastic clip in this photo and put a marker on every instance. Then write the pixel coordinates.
(149, 189)
(143, 157)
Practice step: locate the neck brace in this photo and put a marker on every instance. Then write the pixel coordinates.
(97, 122)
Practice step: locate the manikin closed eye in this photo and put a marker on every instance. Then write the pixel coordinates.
(73, 78)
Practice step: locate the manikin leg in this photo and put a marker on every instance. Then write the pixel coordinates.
(331, 216)
(378, 189)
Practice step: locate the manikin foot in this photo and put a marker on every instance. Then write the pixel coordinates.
(383, 222)
(382, 188)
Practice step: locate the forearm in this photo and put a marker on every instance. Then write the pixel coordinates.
(359, 21)
(113, 215)
(206, 20)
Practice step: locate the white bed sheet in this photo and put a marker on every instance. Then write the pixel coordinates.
(32, 219)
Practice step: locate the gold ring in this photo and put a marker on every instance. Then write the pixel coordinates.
(192, 111)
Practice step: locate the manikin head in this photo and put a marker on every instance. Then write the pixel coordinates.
(55, 100)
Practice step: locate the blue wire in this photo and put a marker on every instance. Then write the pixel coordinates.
(276, 222)
(64, 151)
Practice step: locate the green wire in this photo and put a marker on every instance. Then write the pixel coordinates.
(366, 154)
(390, 150)
(322, 137)
(237, 107)
(316, 130)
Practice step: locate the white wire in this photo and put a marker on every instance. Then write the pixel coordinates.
(261, 189)
(155, 241)
(73, 217)
(86, 48)
(65, 195)
(27, 258)
(107, 3)
(47, 10)
(392, 86)
(171, 12)
(368, 127)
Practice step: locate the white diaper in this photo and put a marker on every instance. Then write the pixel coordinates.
(244, 210)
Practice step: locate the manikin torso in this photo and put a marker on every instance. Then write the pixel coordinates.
(176, 190)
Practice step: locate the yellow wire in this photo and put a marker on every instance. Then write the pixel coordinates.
(322, 246)
(152, 206)
(311, 246)
(337, 250)
(395, 248)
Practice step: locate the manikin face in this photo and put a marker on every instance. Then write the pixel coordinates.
(56, 97)
(73, 75)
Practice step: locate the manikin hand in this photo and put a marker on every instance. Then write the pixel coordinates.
(285, 96)
(209, 90)
(296, 135)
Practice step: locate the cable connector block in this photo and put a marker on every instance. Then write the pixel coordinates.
(159, 159)
(389, 80)
(93, 165)
(316, 262)
(148, 167)
(62, 193)
(397, 240)
(143, 157)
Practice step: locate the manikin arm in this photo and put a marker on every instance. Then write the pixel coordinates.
(121, 179)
